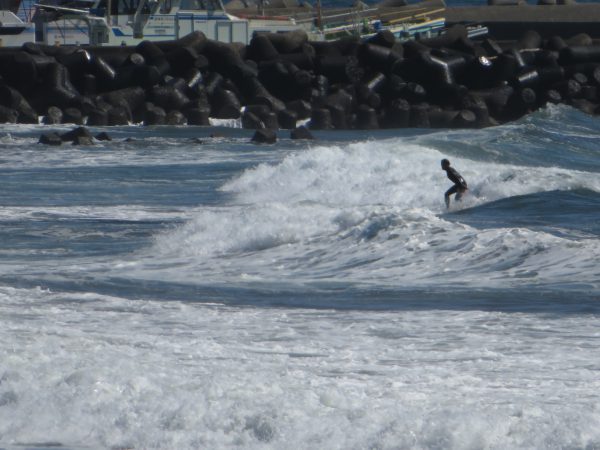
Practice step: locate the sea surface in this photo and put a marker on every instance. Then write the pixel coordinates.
(183, 288)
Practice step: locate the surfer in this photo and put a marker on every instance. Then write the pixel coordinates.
(460, 185)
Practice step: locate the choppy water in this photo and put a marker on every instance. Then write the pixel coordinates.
(189, 289)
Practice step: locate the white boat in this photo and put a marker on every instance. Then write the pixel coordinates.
(128, 22)
(14, 31)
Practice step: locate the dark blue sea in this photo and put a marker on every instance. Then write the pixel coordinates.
(183, 288)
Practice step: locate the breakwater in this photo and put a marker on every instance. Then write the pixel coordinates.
(280, 79)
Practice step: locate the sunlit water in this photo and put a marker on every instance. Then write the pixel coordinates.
(189, 289)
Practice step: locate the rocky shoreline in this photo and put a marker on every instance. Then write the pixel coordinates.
(277, 80)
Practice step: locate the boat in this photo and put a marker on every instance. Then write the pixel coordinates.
(407, 21)
(128, 22)
(15, 30)
(404, 20)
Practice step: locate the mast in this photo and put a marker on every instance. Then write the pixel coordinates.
(319, 16)
(139, 21)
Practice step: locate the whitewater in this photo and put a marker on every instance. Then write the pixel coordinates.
(181, 287)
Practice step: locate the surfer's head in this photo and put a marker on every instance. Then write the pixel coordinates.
(445, 163)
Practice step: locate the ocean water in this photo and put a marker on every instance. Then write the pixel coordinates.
(181, 287)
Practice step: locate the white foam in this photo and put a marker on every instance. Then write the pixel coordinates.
(373, 214)
(229, 123)
(106, 372)
(394, 173)
(133, 213)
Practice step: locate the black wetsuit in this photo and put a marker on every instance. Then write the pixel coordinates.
(460, 185)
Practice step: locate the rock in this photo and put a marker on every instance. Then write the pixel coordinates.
(97, 117)
(584, 105)
(76, 133)
(552, 96)
(287, 119)
(419, 116)
(302, 108)
(103, 136)
(441, 118)
(83, 140)
(73, 115)
(271, 121)
(321, 119)
(118, 115)
(12, 98)
(397, 114)
(175, 118)
(169, 98)
(301, 133)
(264, 136)
(465, 119)
(8, 115)
(366, 118)
(226, 105)
(197, 116)
(251, 121)
(283, 78)
(54, 116)
(154, 115)
(50, 139)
